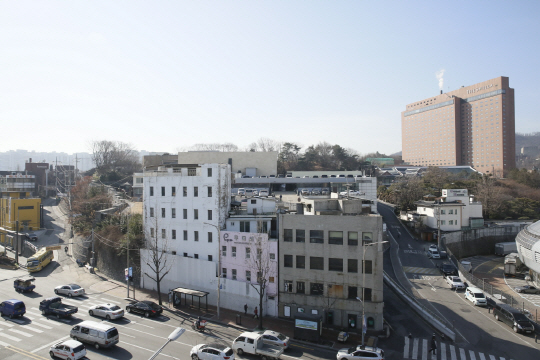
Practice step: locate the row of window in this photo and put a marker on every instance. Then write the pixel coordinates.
(334, 264)
(184, 191)
(317, 289)
(234, 275)
(450, 211)
(184, 213)
(334, 237)
(185, 235)
(247, 253)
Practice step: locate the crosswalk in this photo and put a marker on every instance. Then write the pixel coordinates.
(13, 331)
(420, 349)
(420, 270)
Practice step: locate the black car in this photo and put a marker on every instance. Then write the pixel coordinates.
(448, 270)
(31, 236)
(147, 308)
(513, 318)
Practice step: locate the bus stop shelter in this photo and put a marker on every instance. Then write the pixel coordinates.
(178, 292)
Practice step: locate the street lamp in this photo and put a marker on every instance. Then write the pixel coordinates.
(364, 285)
(172, 337)
(219, 264)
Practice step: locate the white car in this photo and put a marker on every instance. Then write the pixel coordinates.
(350, 192)
(476, 296)
(433, 254)
(107, 311)
(433, 247)
(255, 192)
(211, 352)
(241, 191)
(69, 349)
(360, 353)
(263, 193)
(69, 290)
(455, 282)
(275, 338)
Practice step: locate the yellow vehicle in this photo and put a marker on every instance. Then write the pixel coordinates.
(39, 260)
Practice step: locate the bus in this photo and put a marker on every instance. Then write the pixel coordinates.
(39, 260)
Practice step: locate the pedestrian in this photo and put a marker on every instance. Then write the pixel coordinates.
(170, 298)
(433, 345)
(280, 197)
(245, 309)
(255, 312)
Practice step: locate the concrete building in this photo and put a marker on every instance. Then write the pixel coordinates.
(528, 246)
(455, 210)
(321, 268)
(474, 125)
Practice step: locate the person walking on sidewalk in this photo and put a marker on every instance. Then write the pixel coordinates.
(245, 309)
(433, 345)
(255, 316)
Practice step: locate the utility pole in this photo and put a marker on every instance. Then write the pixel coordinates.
(92, 259)
(127, 251)
(17, 241)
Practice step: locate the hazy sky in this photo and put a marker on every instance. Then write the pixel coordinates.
(164, 75)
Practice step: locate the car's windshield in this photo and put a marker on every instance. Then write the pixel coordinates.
(351, 350)
(456, 279)
(75, 287)
(114, 308)
(281, 336)
(479, 295)
(521, 317)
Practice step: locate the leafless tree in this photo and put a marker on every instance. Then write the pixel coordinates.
(264, 145)
(225, 147)
(114, 156)
(490, 194)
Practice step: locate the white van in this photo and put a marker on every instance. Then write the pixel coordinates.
(98, 334)
(263, 192)
(249, 192)
(241, 191)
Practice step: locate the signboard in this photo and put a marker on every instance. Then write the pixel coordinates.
(454, 192)
(304, 324)
(57, 247)
(242, 237)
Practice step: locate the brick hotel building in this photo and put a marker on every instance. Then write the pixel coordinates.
(474, 125)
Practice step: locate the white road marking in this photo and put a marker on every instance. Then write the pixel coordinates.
(424, 349)
(5, 323)
(406, 348)
(107, 300)
(492, 357)
(4, 344)
(452, 352)
(4, 335)
(16, 321)
(462, 354)
(471, 353)
(443, 351)
(415, 349)
(32, 329)
(482, 357)
(21, 332)
(41, 325)
(50, 344)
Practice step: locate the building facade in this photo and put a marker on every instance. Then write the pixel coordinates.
(474, 125)
(331, 264)
(528, 246)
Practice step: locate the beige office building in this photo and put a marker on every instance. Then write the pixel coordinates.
(474, 125)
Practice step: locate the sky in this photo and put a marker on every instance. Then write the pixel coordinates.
(165, 75)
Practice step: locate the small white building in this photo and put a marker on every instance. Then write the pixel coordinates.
(455, 210)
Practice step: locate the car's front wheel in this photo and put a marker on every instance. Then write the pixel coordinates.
(108, 317)
(69, 295)
(497, 317)
(147, 314)
(128, 310)
(96, 345)
(194, 357)
(52, 354)
(515, 329)
(239, 352)
(56, 291)
(91, 312)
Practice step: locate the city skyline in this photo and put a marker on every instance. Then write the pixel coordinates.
(165, 77)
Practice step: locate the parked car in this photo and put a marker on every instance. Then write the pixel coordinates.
(281, 176)
(315, 176)
(263, 192)
(288, 176)
(325, 191)
(306, 176)
(271, 176)
(99, 334)
(147, 308)
(341, 175)
(69, 290)
(31, 236)
(350, 175)
(513, 318)
(255, 192)
(263, 177)
(433, 254)
(360, 353)
(246, 177)
(455, 282)
(106, 311)
(275, 338)
(69, 349)
(315, 192)
(324, 176)
(527, 289)
(211, 352)
(241, 191)
(433, 247)
(476, 296)
(12, 308)
(305, 192)
(448, 270)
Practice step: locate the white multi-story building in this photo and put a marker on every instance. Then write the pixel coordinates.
(184, 207)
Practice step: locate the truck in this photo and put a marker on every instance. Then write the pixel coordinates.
(505, 248)
(252, 343)
(54, 305)
(512, 264)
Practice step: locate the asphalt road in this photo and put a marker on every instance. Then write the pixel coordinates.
(477, 329)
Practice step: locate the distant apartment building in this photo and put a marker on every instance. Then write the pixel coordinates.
(474, 125)
(41, 171)
(331, 263)
(17, 204)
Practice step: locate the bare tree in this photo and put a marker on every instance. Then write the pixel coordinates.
(264, 145)
(490, 194)
(225, 147)
(114, 156)
(156, 256)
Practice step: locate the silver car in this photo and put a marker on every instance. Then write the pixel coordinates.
(275, 338)
(106, 311)
(69, 290)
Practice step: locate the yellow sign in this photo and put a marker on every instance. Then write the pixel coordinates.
(58, 247)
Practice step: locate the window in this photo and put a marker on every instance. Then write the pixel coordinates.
(287, 286)
(196, 233)
(300, 287)
(335, 264)
(195, 191)
(191, 172)
(248, 253)
(173, 191)
(368, 266)
(352, 238)
(353, 292)
(151, 191)
(162, 212)
(196, 214)
(173, 234)
(151, 212)
(367, 238)
(163, 191)
(209, 191)
(233, 251)
(224, 272)
(184, 191)
(451, 212)
(367, 294)
(263, 227)
(224, 251)
(316, 263)
(352, 265)
(244, 226)
(316, 236)
(456, 212)
(288, 261)
(335, 237)
(210, 237)
(316, 289)
(210, 258)
(173, 213)
(151, 232)
(185, 235)
(300, 236)
(451, 222)
(443, 222)
(272, 256)
(287, 235)
(300, 262)
(271, 279)
(234, 274)
(443, 212)
(248, 275)
(185, 214)
(209, 214)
